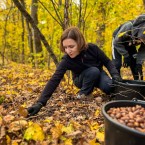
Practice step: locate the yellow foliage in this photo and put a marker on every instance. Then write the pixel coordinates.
(68, 129)
(8, 139)
(94, 126)
(14, 143)
(47, 120)
(1, 120)
(93, 142)
(138, 46)
(68, 142)
(34, 132)
(97, 113)
(57, 130)
(75, 124)
(100, 136)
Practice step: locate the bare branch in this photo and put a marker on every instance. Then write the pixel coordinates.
(60, 23)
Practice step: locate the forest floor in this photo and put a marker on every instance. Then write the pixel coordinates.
(63, 121)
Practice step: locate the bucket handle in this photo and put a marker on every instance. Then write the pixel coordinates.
(137, 100)
(126, 91)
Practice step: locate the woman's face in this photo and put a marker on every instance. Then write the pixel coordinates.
(70, 47)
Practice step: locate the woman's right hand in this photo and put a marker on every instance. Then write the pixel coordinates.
(34, 109)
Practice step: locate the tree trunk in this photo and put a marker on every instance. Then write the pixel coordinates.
(4, 37)
(80, 14)
(66, 14)
(144, 3)
(42, 37)
(101, 30)
(34, 15)
(36, 37)
(22, 35)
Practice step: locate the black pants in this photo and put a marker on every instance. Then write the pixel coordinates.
(117, 60)
(93, 77)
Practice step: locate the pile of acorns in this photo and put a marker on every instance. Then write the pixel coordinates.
(133, 117)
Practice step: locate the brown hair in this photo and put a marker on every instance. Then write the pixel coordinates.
(75, 34)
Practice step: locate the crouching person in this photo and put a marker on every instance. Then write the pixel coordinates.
(86, 62)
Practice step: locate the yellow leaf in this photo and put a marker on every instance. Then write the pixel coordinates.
(47, 121)
(34, 132)
(143, 32)
(121, 34)
(138, 46)
(2, 99)
(100, 136)
(24, 105)
(57, 130)
(31, 74)
(76, 125)
(125, 77)
(97, 113)
(94, 126)
(14, 143)
(68, 142)
(8, 139)
(9, 92)
(1, 120)
(30, 123)
(93, 142)
(68, 129)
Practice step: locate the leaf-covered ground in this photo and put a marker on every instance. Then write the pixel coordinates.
(63, 121)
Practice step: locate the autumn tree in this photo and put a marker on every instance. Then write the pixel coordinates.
(31, 21)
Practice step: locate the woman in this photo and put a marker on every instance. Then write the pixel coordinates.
(86, 62)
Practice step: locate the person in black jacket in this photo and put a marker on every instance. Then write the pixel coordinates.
(129, 42)
(86, 62)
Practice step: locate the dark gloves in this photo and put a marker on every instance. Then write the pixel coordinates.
(116, 78)
(127, 62)
(139, 71)
(34, 109)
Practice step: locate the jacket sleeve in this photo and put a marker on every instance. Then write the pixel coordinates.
(107, 62)
(53, 83)
(122, 37)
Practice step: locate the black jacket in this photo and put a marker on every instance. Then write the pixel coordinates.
(91, 57)
(126, 33)
(122, 36)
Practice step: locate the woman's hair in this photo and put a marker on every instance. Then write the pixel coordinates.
(75, 34)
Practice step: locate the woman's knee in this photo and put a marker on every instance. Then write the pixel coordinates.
(105, 84)
(92, 72)
(107, 89)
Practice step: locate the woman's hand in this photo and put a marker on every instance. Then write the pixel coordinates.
(116, 78)
(34, 109)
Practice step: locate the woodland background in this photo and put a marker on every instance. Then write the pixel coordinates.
(29, 51)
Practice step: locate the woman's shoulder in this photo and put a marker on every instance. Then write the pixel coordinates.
(92, 46)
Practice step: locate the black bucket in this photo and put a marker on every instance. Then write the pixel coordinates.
(117, 133)
(129, 89)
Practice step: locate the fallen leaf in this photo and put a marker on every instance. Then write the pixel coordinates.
(23, 111)
(57, 130)
(8, 118)
(17, 125)
(34, 132)
(100, 136)
(76, 133)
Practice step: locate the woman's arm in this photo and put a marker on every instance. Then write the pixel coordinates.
(53, 82)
